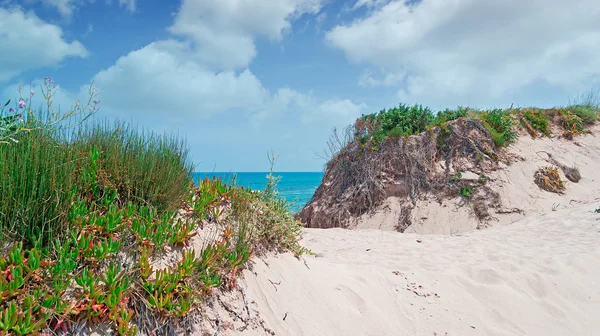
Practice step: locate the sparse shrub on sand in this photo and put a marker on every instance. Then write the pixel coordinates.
(144, 168)
(588, 114)
(536, 120)
(501, 126)
(548, 178)
(273, 226)
(570, 121)
(466, 192)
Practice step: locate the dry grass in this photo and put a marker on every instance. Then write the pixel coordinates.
(548, 178)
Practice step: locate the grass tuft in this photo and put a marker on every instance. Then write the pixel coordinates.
(548, 178)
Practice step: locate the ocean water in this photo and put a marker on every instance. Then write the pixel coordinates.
(298, 187)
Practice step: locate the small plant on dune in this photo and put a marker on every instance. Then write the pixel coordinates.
(271, 223)
(597, 210)
(22, 118)
(536, 120)
(571, 122)
(449, 115)
(588, 114)
(455, 178)
(139, 165)
(466, 192)
(548, 178)
(500, 124)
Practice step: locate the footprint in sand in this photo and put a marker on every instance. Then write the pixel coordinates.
(351, 296)
(537, 286)
(554, 311)
(485, 276)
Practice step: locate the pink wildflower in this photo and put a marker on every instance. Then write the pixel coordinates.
(22, 104)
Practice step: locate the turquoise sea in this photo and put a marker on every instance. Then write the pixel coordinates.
(298, 187)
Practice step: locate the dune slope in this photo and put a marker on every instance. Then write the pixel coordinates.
(538, 276)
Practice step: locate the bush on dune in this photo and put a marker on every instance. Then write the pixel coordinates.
(143, 168)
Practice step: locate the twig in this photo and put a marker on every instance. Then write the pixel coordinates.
(305, 264)
(274, 283)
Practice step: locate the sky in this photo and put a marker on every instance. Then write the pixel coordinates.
(241, 78)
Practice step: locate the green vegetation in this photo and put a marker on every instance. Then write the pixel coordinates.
(536, 120)
(372, 129)
(402, 121)
(466, 192)
(588, 114)
(86, 210)
(500, 124)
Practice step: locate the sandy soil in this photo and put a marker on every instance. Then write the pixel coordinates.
(538, 276)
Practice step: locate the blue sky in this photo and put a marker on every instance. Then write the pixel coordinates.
(239, 78)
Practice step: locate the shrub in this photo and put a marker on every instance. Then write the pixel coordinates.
(143, 167)
(37, 175)
(588, 114)
(271, 223)
(500, 125)
(538, 120)
(449, 115)
(398, 121)
(570, 121)
(548, 178)
(466, 192)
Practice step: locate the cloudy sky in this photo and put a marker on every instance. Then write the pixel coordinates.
(239, 78)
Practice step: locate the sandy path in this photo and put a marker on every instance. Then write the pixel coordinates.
(539, 276)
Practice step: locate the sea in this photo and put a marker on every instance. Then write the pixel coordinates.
(296, 188)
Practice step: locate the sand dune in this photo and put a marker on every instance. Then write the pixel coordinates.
(519, 195)
(538, 276)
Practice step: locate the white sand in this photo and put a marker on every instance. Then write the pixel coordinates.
(538, 276)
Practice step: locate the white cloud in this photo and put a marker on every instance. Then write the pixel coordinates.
(369, 3)
(162, 79)
(336, 112)
(310, 109)
(128, 4)
(470, 50)
(223, 32)
(64, 7)
(369, 79)
(30, 43)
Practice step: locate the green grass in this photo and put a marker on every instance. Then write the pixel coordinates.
(402, 121)
(42, 173)
(538, 120)
(37, 176)
(144, 168)
(588, 114)
(500, 124)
